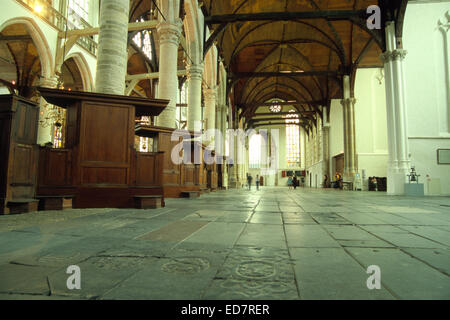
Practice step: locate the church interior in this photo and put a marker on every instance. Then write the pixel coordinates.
(225, 149)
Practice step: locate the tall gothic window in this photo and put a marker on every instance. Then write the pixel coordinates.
(78, 9)
(142, 40)
(182, 106)
(292, 139)
(254, 151)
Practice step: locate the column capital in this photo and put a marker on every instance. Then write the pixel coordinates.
(210, 93)
(169, 32)
(444, 24)
(387, 57)
(50, 82)
(348, 101)
(399, 54)
(195, 71)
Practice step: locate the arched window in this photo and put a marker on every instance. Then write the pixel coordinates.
(254, 151)
(182, 106)
(78, 9)
(292, 139)
(143, 41)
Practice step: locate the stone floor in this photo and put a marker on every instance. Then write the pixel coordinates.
(272, 244)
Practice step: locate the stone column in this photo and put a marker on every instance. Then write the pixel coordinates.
(218, 127)
(302, 148)
(233, 177)
(349, 139)
(444, 26)
(326, 149)
(396, 113)
(169, 37)
(210, 108)
(194, 78)
(348, 108)
(400, 106)
(112, 47)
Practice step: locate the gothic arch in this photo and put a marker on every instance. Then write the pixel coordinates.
(84, 70)
(39, 40)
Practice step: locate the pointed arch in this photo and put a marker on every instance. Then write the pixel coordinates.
(41, 44)
(83, 68)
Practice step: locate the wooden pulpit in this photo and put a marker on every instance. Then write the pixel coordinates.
(99, 164)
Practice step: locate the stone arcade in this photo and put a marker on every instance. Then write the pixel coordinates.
(98, 99)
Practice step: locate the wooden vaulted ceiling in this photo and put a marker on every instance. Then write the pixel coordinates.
(272, 51)
(292, 47)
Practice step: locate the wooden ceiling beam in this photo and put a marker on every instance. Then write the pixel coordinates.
(284, 16)
(277, 119)
(15, 38)
(239, 75)
(282, 113)
(286, 103)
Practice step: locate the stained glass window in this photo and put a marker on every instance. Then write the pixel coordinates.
(292, 139)
(182, 106)
(57, 136)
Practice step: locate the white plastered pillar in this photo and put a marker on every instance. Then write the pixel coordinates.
(194, 113)
(169, 35)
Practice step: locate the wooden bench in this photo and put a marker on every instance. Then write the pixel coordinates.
(147, 202)
(23, 205)
(205, 190)
(190, 194)
(55, 202)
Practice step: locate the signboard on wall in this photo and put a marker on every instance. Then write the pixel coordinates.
(443, 156)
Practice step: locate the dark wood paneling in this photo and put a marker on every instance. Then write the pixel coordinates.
(101, 164)
(55, 167)
(18, 151)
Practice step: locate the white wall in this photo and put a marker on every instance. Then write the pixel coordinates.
(371, 123)
(427, 89)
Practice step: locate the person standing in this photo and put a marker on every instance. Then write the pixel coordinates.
(325, 181)
(257, 182)
(249, 181)
(290, 182)
(294, 182)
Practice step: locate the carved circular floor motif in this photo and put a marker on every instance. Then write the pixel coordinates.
(186, 265)
(256, 269)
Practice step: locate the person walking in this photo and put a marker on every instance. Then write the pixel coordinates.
(257, 182)
(249, 181)
(295, 182)
(290, 182)
(325, 181)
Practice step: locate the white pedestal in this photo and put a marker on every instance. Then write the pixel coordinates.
(414, 189)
